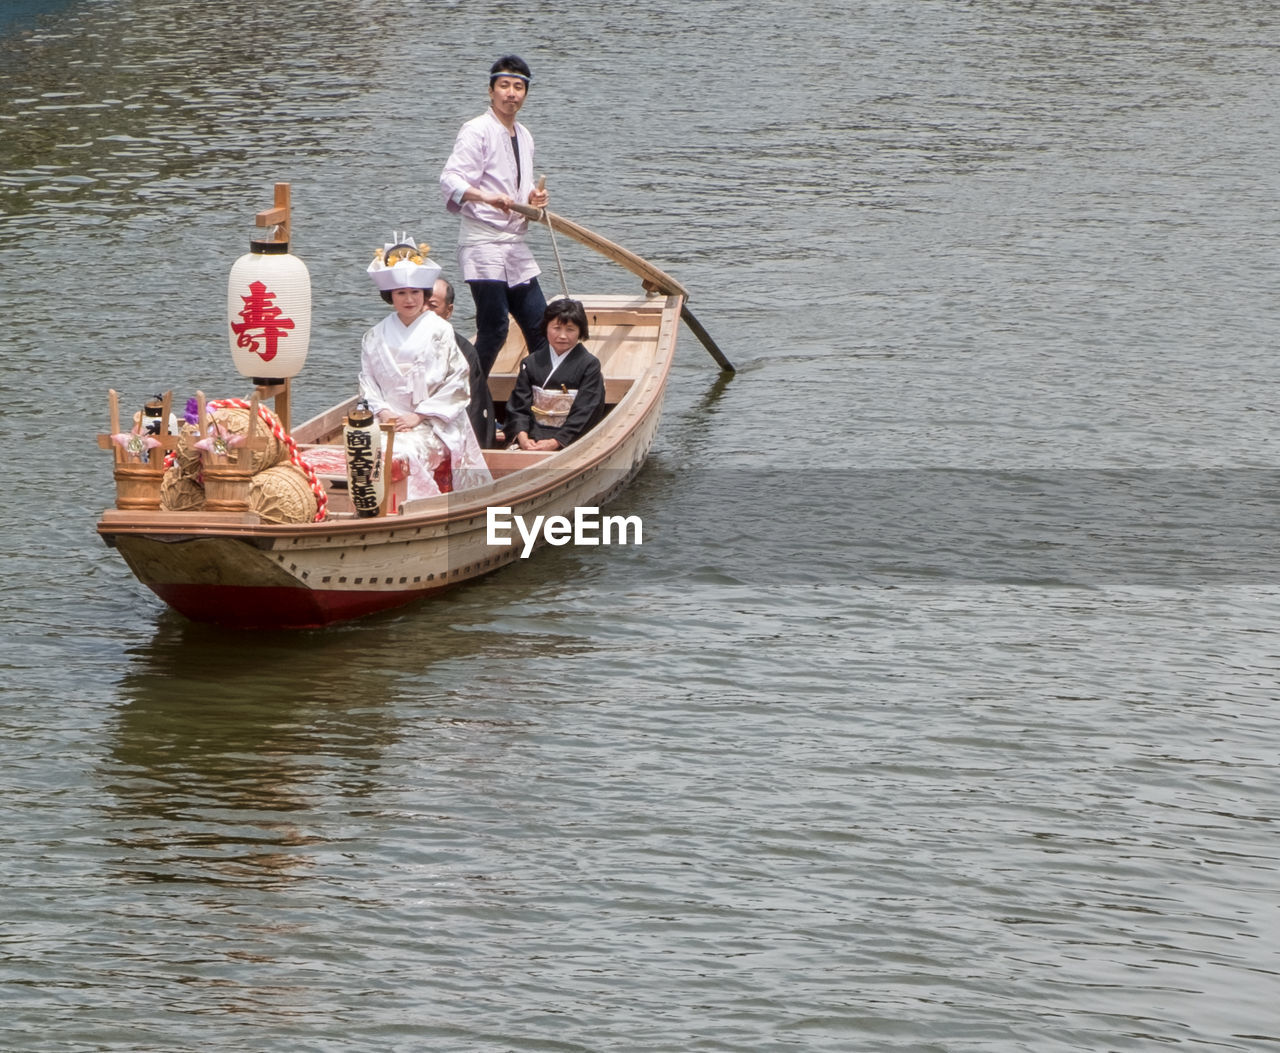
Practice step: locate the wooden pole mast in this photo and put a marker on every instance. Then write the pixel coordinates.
(279, 219)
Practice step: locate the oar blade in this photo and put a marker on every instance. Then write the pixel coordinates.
(696, 328)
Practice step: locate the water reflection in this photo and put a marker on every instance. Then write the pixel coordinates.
(225, 737)
(222, 740)
(230, 748)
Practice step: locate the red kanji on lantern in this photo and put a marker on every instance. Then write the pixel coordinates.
(261, 319)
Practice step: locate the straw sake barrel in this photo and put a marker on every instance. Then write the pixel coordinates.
(186, 456)
(180, 492)
(282, 494)
(236, 422)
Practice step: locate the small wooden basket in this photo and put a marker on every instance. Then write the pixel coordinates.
(138, 481)
(227, 476)
(138, 485)
(226, 487)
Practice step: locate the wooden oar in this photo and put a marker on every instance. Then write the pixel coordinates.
(695, 327)
(652, 276)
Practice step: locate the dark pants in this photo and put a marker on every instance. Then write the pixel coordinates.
(494, 301)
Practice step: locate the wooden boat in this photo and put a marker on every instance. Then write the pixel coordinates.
(231, 568)
(228, 566)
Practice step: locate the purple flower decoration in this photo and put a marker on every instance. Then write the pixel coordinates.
(192, 414)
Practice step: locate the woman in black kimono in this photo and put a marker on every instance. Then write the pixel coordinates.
(559, 393)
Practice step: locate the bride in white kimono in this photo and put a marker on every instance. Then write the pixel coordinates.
(412, 373)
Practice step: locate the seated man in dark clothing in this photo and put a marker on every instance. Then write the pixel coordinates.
(559, 392)
(480, 411)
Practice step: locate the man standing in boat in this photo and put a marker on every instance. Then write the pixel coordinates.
(491, 168)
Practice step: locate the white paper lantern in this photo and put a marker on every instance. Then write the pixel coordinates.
(269, 312)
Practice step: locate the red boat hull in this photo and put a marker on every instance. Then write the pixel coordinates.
(279, 607)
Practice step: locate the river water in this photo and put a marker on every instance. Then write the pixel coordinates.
(937, 710)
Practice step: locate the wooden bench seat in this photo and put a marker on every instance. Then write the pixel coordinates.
(504, 462)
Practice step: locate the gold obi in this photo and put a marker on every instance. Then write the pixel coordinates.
(551, 407)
